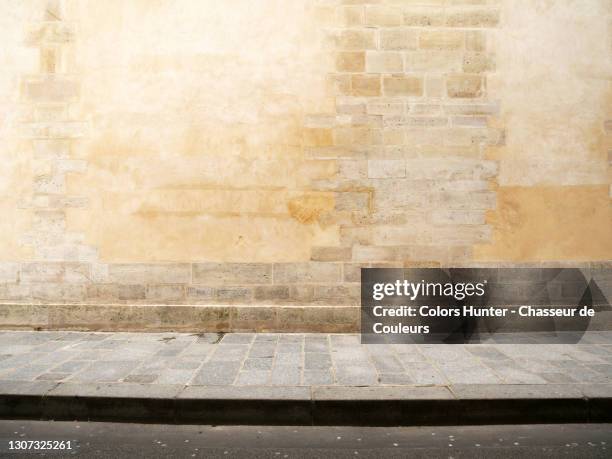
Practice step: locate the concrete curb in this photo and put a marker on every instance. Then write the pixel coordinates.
(382, 406)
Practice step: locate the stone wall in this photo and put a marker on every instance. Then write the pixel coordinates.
(260, 153)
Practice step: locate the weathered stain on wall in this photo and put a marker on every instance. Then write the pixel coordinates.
(204, 161)
(262, 152)
(554, 82)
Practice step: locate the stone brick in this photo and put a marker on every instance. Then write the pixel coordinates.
(352, 200)
(338, 294)
(350, 16)
(433, 61)
(397, 235)
(470, 121)
(476, 40)
(197, 292)
(458, 217)
(234, 294)
(398, 39)
(9, 272)
(58, 292)
(403, 86)
(104, 292)
(423, 16)
(352, 271)
(472, 17)
(165, 292)
(350, 61)
(383, 16)
(356, 40)
(272, 292)
(289, 273)
(257, 319)
(442, 39)
(365, 85)
(149, 273)
(477, 63)
(331, 253)
(369, 253)
(13, 291)
(317, 137)
(48, 272)
(386, 169)
(386, 107)
(464, 86)
(384, 62)
(434, 86)
(232, 273)
(339, 84)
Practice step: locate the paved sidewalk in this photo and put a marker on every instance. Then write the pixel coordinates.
(292, 360)
(296, 367)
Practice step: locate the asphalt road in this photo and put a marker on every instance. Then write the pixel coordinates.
(110, 440)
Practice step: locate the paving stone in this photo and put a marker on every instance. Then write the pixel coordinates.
(25, 373)
(52, 376)
(208, 338)
(230, 352)
(142, 379)
(349, 375)
(285, 375)
(557, 378)
(486, 352)
(198, 350)
(289, 348)
(183, 364)
(318, 377)
(257, 364)
(173, 376)
(411, 357)
(316, 344)
(387, 364)
(253, 378)
(535, 365)
(111, 344)
(423, 373)
(290, 359)
(104, 371)
(396, 379)
(72, 366)
(350, 355)
(220, 373)
(510, 375)
(317, 361)
(291, 338)
(601, 368)
(266, 338)
(238, 338)
(266, 349)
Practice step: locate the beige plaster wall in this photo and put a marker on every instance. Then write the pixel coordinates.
(158, 151)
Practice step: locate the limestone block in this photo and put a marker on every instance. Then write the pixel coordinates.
(149, 273)
(232, 273)
(289, 273)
